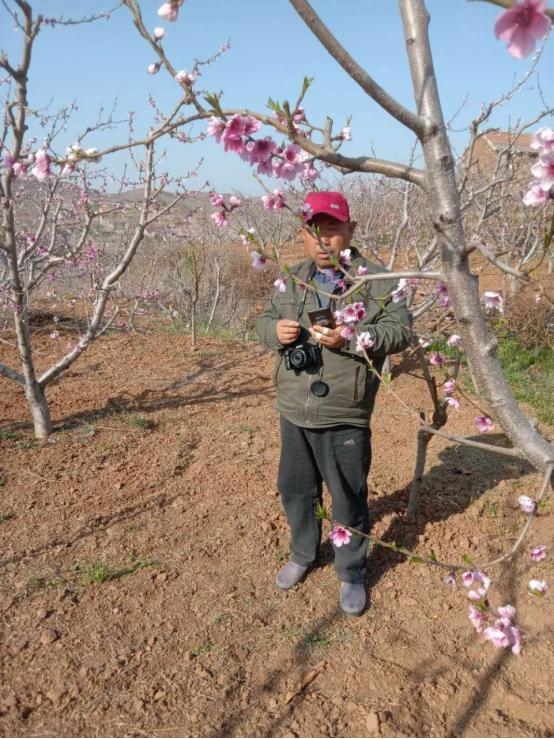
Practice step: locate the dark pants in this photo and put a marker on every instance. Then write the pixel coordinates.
(340, 456)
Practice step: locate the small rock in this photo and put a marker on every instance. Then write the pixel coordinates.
(464, 543)
(137, 704)
(372, 723)
(162, 577)
(42, 613)
(119, 485)
(159, 695)
(188, 656)
(49, 636)
(384, 716)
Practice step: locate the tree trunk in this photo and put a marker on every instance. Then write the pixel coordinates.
(480, 344)
(40, 412)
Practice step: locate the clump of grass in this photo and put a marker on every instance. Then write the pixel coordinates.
(136, 421)
(6, 516)
(7, 435)
(246, 428)
(102, 573)
(38, 583)
(315, 639)
(530, 373)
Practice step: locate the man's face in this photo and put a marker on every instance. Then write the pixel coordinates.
(335, 236)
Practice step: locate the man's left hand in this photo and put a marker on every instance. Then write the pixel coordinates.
(328, 337)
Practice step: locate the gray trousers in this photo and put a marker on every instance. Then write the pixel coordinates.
(340, 456)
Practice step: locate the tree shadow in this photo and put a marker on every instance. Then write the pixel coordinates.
(462, 476)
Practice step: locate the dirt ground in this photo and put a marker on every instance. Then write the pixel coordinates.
(139, 547)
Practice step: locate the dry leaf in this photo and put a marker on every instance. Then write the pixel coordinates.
(309, 678)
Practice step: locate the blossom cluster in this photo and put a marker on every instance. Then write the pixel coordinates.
(543, 169)
(348, 317)
(220, 216)
(283, 162)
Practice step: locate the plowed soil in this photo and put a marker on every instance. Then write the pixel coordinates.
(139, 548)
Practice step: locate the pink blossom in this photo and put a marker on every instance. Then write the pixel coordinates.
(218, 201)
(41, 170)
(527, 504)
(361, 271)
(280, 284)
(350, 315)
(493, 301)
(261, 150)
(454, 340)
(275, 201)
(543, 171)
(454, 402)
(220, 218)
(404, 289)
(185, 78)
(450, 579)
(20, 170)
(153, 68)
(441, 292)
(538, 587)
(235, 202)
(364, 341)
(309, 172)
(346, 134)
(438, 359)
(477, 618)
(340, 536)
(55, 335)
(251, 125)
(345, 257)
(535, 196)
(496, 636)
(169, 11)
(543, 140)
(537, 554)
(259, 262)
(522, 25)
(216, 127)
(450, 386)
(515, 637)
(477, 595)
(159, 33)
(538, 298)
(8, 161)
(347, 332)
(467, 578)
(484, 424)
(507, 614)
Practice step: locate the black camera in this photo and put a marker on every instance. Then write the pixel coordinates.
(302, 357)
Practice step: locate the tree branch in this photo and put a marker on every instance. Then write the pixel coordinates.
(356, 72)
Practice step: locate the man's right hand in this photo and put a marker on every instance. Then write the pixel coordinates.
(287, 331)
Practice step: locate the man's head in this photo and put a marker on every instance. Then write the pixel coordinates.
(328, 214)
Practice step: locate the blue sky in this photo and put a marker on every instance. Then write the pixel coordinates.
(271, 51)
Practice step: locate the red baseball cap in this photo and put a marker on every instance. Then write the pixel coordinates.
(332, 203)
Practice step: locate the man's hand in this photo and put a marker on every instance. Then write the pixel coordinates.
(329, 337)
(287, 331)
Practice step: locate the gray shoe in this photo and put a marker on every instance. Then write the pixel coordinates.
(290, 575)
(352, 598)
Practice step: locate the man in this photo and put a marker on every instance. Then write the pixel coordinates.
(326, 392)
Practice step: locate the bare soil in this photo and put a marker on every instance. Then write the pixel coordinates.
(139, 548)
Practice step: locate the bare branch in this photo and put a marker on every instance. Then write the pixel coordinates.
(356, 72)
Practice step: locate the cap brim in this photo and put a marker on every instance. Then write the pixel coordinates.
(328, 212)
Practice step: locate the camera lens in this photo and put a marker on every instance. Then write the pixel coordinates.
(297, 358)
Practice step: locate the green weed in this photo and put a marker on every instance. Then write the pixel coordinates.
(102, 573)
(313, 640)
(530, 373)
(136, 421)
